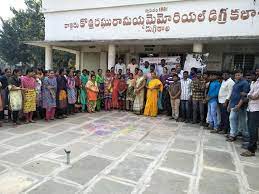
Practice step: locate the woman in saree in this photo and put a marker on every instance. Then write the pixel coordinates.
(15, 95)
(29, 95)
(139, 91)
(83, 94)
(100, 82)
(71, 92)
(122, 93)
(108, 91)
(49, 95)
(92, 92)
(61, 94)
(115, 92)
(154, 87)
(130, 95)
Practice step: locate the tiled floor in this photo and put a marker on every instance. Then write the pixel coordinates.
(120, 153)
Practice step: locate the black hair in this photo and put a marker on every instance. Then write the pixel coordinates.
(16, 71)
(61, 71)
(238, 71)
(173, 69)
(84, 70)
(7, 70)
(108, 71)
(29, 70)
(185, 72)
(175, 75)
(92, 75)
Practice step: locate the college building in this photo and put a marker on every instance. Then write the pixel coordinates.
(99, 32)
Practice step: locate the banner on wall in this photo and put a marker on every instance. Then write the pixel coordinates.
(198, 61)
(170, 61)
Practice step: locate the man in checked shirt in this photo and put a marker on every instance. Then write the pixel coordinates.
(198, 95)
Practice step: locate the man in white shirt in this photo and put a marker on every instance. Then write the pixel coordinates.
(159, 68)
(179, 71)
(186, 93)
(120, 65)
(224, 97)
(253, 114)
(132, 66)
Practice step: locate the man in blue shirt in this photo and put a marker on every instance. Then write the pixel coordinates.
(212, 99)
(237, 106)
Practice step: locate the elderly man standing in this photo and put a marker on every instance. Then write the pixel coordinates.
(253, 114)
(120, 65)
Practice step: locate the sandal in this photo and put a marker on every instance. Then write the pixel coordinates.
(231, 139)
(247, 154)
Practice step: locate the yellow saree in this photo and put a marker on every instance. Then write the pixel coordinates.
(151, 108)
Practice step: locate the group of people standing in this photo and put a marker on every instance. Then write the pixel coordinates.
(222, 102)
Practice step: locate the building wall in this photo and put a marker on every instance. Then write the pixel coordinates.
(91, 61)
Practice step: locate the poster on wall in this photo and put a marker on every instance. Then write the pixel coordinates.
(198, 61)
(170, 61)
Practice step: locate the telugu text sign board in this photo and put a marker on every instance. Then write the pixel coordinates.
(188, 19)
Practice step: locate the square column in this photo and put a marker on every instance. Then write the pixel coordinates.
(78, 56)
(197, 47)
(48, 58)
(111, 56)
(103, 61)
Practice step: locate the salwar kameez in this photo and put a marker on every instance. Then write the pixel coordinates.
(92, 92)
(71, 94)
(15, 97)
(151, 108)
(100, 98)
(29, 97)
(130, 95)
(61, 95)
(108, 93)
(83, 93)
(49, 97)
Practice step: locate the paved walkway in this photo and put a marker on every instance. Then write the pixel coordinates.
(112, 154)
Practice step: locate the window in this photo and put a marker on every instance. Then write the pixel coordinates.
(244, 62)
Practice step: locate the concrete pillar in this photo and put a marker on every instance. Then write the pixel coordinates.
(103, 61)
(197, 47)
(111, 55)
(82, 61)
(78, 56)
(127, 59)
(48, 57)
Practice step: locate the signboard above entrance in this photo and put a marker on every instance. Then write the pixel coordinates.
(184, 19)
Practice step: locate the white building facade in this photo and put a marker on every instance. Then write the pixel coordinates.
(98, 32)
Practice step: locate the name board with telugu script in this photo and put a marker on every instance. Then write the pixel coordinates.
(176, 20)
